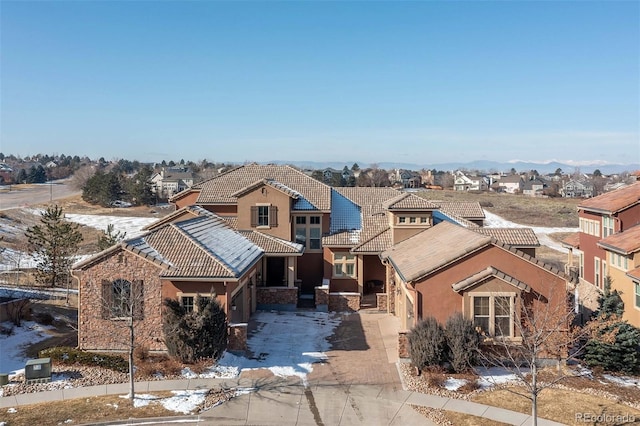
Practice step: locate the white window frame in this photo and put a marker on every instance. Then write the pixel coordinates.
(597, 279)
(341, 263)
(306, 226)
(181, 296)
(492, 314)
(636, 292)
(261, 215)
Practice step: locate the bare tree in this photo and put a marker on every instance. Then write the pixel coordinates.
(122, 302)
(544, 332)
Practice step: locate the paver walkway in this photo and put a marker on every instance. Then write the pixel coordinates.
(359, 384)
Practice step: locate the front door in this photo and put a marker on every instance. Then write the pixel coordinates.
(276, 272)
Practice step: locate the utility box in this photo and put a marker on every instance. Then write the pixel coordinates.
(37, 370)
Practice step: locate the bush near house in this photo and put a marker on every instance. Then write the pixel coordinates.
(201, 333)
(456, 344)
(462, 343)
(427, 344)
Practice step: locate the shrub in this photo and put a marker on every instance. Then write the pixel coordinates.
(191, 336)
(69, 356)
(426, 343)
(462, 342)
(141, 353)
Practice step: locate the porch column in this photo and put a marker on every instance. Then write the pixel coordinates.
(291, 271)
(360, 272)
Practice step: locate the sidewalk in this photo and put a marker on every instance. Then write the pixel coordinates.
(334, 396)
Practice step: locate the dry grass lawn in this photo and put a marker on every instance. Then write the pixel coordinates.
(559, 405)
(83, 411)
(525, 210)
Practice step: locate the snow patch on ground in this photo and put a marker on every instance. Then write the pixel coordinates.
(494, 376)
(12, 357)
(454, 384)
(633, 382)
(290, 353)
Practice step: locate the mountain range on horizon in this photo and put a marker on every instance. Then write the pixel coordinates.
(479, 165)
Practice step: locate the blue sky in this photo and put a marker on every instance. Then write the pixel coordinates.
(421, 82)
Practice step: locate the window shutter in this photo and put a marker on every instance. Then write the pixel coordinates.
(273, 216)
(254, 216)
(137, 295)
(107, 299)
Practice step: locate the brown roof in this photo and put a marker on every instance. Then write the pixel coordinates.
(377, 244)
(185, 213)
(490, 271)
(520, 237)
(614, 201)
(572, 240)
(432, 249)
(626, 242)
(221, 189)
(467, 210)
(634, 273)
(408, 201)
(268, 182)
(271, 244)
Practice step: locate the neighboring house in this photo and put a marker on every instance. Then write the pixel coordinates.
(465, 182)
(512, 184)
(448, 268)
(270, 237)
(577, 189)
(407, 178)
(51, 165)
(6, 173)
(623, 256)
(605, 242)
(533, 187)
(170, 181)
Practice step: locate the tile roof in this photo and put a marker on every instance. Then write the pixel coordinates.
(433, 248)
(614, 201)
(376, 244)
(268, 182)
(520, 237)
(204, 247)
(634, 273)
(221, 189)
(272, 245)
(572, 240)
(408, 201)
(187, 212)
(466, 210)
(490, 271)
(626, 242)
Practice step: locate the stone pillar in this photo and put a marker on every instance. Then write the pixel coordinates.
(403, 344)
(382, 301)
(237, 337)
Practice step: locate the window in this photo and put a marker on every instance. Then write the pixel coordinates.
(581, 265)
(596, 266)
(344, 265)
(618, 260)
(308, 231)
(402, 219)
(493, 314)
(637, 294)
(264, 216)
(122, 299)
(607, 226)
(412, 219)
(424, 219)
(187, 303)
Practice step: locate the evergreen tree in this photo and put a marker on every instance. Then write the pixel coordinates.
(102, 188)
(54, 243)
(615, 345)
(110, 237)
(201, 333)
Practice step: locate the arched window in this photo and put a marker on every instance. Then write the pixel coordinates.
(122, 299)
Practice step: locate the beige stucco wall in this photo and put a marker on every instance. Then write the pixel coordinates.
(624, 284)
(271, 196)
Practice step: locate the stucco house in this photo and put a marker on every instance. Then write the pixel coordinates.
(577, 189)
(272, 237)
(170, 181)
(607, 245)
(448, 268)
(512, 184)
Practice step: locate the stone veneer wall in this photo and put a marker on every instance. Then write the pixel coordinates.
(403, 344)
(322, 295)
(95, 333)
(277, 296)
(381, 299)
(344, 302)
(237, 337)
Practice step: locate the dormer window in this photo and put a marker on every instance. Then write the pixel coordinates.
(264, 216)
